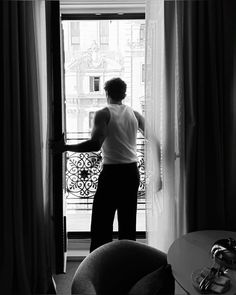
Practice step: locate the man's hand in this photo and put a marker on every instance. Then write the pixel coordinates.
(58, 146)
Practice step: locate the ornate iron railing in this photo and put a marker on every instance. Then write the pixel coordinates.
(82, 172)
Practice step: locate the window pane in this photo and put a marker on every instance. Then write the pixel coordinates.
(142, 32)
(104, 33)
(96, 51)
(75, 38)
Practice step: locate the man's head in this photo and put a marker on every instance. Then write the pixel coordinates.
(115, 89)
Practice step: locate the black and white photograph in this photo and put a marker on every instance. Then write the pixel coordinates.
(118, 147)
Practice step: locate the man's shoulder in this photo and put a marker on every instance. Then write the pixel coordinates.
(103, 114)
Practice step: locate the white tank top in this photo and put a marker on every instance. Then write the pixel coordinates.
(119, 147)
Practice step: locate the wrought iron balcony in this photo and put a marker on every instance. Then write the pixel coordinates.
(82, 172)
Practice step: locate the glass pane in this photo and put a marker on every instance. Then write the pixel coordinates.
(96, 51)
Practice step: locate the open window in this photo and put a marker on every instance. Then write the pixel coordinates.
(94, 83)
(96, 49)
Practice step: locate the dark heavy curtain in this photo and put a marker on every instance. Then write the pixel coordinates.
(25, 266)
(55, 92)
(210, 113)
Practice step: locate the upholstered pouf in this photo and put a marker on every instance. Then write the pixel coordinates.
(124, 267)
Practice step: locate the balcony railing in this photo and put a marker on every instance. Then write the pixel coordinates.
(82, 172)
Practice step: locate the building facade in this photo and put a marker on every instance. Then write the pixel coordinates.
(94, 52)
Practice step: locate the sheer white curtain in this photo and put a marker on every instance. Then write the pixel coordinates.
(164, 115)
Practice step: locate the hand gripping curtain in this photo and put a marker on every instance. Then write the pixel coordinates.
(166, 217)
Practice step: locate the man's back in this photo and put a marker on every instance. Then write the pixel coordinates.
(119, 147)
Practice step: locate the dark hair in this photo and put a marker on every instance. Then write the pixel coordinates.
(116, 88)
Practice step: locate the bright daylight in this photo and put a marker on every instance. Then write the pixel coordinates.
(94, 52)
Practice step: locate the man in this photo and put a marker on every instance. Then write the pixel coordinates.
(115, 131)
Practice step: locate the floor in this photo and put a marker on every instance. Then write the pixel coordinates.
(63, 281)
(79, 220)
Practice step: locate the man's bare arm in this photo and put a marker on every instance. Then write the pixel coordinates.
(141, 122)
(149, 134)
(98, 136)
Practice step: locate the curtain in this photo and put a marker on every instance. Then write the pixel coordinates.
(209, 86)
(25, 246)
(57, 162)
(166, 210)
(190, 99)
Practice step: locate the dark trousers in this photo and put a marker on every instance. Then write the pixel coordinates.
(117, 190)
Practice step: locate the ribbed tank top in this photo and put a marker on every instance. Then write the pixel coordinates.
(119, 147)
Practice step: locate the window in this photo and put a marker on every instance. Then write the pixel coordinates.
(104, 33)
(91, 117)
(142, 33)
(143, 73)
(94, 84)
(75, 33)
(108, 47)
